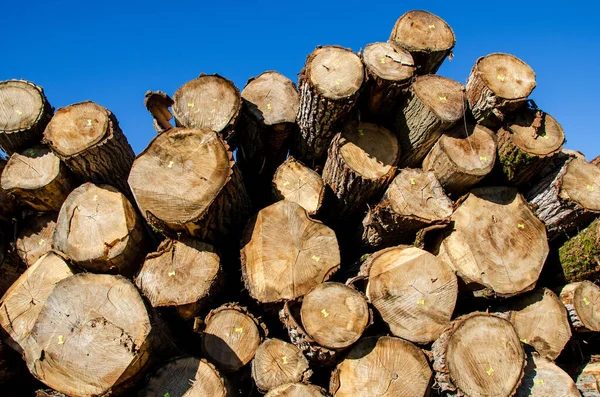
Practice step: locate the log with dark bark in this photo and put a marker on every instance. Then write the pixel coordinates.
(543, 378)
(433, 105)
(428, 38)
(87, 137)
(296, 182)
(38, 178)
(498, 85)
(361, 163)
(210, 102)
(462, 157)
(495, 244)
(582, 300)
(479, 354)
(99, 230)
(329, 86)
(297, 390)
(183, 275)
(158, 104)
(568, 198)
(9, 205)
(24, 114)
(200, 193)
(35, 237)
(382, 366)
(285, 253)
(579, 256)
(277, 363)
(588, 379)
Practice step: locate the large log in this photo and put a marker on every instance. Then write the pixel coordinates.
(87, 137)
(498, 85)
(98, 229)
(361, 163)
(462, 157)
(413, 291)
(277, 363)
(35, 238)
(567, 198)
(434, 104)
(382, 366)
(183, 275)
(428, 38)
(24, 114)
(579, 256)
(479, 354)
(93, 336)
(38, 178)
(582, 300)
(297, 390)
(200, 193)
(296, 182)
(285, 253)
(543, 378)
(329, 85)
(588, 379)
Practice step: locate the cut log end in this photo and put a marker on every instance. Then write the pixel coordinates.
(588, 379)
(442, 96)
(296, 390)
(582, 300)
(272, 98)
(389, 62)
(335, 72)
(506, 76)
(293, 181)
(544, 378)
(277, 363)
(35, 238)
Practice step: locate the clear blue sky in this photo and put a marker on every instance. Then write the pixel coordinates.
(111, 52)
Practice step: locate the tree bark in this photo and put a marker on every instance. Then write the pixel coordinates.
(544, 378)
(277, 363)
(24, 114)
(581, 300)
(35, 238)
(293, 181)
(589, 378)
(579, 256)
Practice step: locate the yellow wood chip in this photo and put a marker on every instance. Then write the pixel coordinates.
(170, 164)
(338, 82)
(421, 302)
(586, 301)
(443, 98)
(590, 188)
(41, 242)
(325, 314)
(171, 274)
(89, 123)
(18, 112)
(500, 77)
(539, 382)
(412, 181)
(482, 158)
(60, 340)
(431, 26)
(490, 371)
(268, 106)
(190, 105)
(315, 258)
(284, 359)
(521, 226)
(239, 330)
(523, 340)
(382, 60)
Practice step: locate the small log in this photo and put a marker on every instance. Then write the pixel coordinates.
(88, 139)
(285, 253)
(38, 178)
(462, 157)
(297, 390)
(428, 38)
(433, 105)
(183, 275)
(24, 114)
(413, 201)
(579, 256)
(389, 69)
(8, 203)
(200, 193)
(479, 354)
(99, 230)
(187, 376)
(382, 366)
(568, 198)
(210, 102)
(277, 363)
(93, 336)
(498, 85)
(361, 163)
(413, 291)
(496, 243)
(527, 143)
(35, 238)
(296, 182)
(231, 337)
(581, 300)
(158, 104)
(588, 379)
(543, 378)
(541, 321)
(329, 85)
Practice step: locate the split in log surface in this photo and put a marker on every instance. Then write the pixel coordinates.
(296, 390)
(580, 256)
(414, 292)
(495, 242)
(588, 379)
(543, 378)
(35, 238)
(582, 301)
(277, 363)
(296, 182)
(428, 38)
(285, 253)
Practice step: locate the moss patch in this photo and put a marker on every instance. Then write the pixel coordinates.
(580, 256)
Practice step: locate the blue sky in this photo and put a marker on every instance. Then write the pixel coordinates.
(113, 52)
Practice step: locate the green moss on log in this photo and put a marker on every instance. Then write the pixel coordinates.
(580, 255)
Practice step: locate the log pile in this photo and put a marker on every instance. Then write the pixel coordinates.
(376, 230)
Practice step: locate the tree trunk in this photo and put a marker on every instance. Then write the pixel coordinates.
(580, 256)
(588, 380)
(543, 378)
(568, 198)
(462, 157)
(382, 366)
(413, 291)
(35, 238)
(158, 104)
(296, 182)
(183, 275)
(389, 70)
(277, 363)
(479, 354)
(498, 85)
(360, 165)
(231, 337)
(427, 37)
(200, 193)
(297, 390)
(434, 104)
(100, 231)
(87, 137)
(210, 102)
(38, 178)
(581, 300)
(496, 242)
(24, 114)
(285, 253)
(329, 86)
(527, 143)
(93, 336)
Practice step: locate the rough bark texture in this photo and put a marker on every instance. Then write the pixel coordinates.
(35, 238)
(581, 300)
(277, 363)
(296, 182)
(588, 379)
(580, 256)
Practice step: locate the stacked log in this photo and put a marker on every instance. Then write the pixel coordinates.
(296, 182)
(277, 363)
(579, 256)
(581, 300)
(35, 238)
